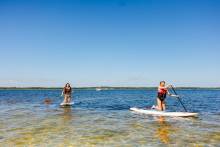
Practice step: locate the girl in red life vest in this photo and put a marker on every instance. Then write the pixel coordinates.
(161, 96)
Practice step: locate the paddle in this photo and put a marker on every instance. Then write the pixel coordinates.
(178, 98)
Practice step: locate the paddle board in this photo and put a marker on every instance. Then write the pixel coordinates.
(164, 113)
(67, 104)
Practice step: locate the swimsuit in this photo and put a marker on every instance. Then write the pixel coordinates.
(162, 93)
(67, 91)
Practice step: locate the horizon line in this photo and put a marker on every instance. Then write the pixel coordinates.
(78, 87)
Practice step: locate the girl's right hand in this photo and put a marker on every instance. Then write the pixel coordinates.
(173, 95)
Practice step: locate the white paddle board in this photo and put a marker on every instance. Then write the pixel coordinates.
(67, 104)
(164, 113)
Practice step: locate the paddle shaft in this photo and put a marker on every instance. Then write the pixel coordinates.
(178, 98)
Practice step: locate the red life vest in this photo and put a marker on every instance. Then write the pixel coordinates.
(162, 90)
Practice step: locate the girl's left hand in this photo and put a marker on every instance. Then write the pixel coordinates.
(169, 86)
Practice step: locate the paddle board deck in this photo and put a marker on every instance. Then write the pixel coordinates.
(164, 113)
(67, 104)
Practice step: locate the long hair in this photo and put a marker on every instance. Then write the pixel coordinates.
(67, 85)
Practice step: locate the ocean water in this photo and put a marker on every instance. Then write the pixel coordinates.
(102, 118)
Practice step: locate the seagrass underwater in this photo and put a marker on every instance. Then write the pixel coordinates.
(103, 118)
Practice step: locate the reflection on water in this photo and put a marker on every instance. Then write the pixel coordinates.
(164, 130)
(67, 114)
(28, 121)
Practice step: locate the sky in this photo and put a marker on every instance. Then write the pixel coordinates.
(109, 42)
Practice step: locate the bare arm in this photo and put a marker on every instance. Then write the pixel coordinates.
(173, 95)
(62, 92)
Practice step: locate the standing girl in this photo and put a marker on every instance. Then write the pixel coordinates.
(67, 92)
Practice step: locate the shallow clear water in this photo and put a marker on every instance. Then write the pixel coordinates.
(103, 119)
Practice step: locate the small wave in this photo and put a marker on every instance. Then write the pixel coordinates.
(118, 107)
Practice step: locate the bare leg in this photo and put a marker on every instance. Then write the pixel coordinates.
(159, 104)
(163, 106)
(65, 99)
(69, 99)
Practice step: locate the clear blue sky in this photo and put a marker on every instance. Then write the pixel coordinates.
(109, 42)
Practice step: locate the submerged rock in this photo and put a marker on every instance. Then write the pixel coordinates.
(47, 101)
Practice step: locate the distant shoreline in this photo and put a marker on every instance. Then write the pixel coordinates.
(103, 88)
